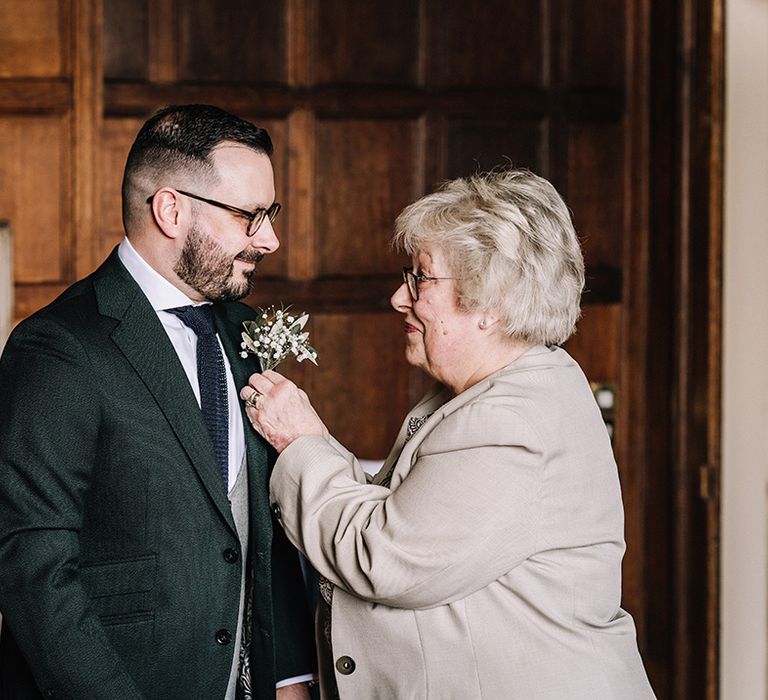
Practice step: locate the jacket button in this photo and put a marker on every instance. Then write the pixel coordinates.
(231, 555)
(48, 693)
(276, 511)
(223, 636)
(345, 665)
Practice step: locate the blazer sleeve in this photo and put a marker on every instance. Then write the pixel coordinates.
(49, 423)
(466, 513)
(294, 632)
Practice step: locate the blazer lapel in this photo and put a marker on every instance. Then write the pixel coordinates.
(141, 338)
(429, 404)
(439, 404)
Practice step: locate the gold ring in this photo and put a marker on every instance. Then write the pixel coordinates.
(253, 399)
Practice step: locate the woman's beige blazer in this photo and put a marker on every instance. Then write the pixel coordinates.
(490, 567)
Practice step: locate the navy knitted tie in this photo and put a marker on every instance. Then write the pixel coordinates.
(212, 376)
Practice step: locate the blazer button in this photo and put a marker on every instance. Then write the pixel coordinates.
(231, 555)
(276, 511)
(223, 636)
(345, 665)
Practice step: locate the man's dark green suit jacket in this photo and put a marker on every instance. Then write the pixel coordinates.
(117, 573)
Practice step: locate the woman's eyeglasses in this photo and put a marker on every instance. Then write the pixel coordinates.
(413, 281)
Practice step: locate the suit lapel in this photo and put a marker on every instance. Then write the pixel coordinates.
(141, 338)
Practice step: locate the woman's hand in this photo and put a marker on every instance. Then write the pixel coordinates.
(278, 410)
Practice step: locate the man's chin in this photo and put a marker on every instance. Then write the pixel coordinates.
(244, 287)
(232, 291)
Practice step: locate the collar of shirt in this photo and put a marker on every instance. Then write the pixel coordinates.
(163, 295)
(160, 292)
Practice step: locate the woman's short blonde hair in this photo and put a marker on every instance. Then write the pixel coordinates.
(508, 238)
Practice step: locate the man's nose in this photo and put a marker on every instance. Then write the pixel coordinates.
(265, 239)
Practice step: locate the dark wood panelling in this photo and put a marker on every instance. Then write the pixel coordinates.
(87, 111)
(482, 145)
(365, 174)
(360, 386)
(35, 195)
(595, 190)
(367, 42)
(277, 264)
(126, 54)
(593, 104)
(595, 345)
(35, 97)
(348, 294)
(32, 41)
(233, 42)
(117, 136)
(594, 42)
(29, 298)
(500, 43)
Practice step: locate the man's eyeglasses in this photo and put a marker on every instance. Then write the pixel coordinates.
(413, 280)
(254, 218)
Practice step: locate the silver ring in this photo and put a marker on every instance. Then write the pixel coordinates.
(253, 399)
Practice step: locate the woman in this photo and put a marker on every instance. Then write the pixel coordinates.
(484, 559)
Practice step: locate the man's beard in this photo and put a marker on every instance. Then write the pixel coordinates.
(205, 267)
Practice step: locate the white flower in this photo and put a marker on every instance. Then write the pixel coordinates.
(275, 335)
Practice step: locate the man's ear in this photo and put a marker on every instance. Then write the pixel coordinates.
(168, 211)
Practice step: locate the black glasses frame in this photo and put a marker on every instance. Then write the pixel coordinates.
(254, 218)
(412, 281)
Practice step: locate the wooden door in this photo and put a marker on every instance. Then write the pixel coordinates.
(370, 105)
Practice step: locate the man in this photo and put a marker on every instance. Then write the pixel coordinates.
(138, 557)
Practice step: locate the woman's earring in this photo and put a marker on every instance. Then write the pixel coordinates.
(482, 324)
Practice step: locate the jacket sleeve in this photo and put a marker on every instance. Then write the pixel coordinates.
(466, 513)
(294, 632)
(49, 427)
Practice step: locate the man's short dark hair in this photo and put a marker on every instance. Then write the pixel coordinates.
(178, 140)
(185, 135)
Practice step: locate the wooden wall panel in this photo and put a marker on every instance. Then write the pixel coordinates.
(594, 46)
(360, 386)
(595, 345)
(365, 175)
(117, 137)
(367, 42)
(277, 264)
(35, 195)
(32, 42)
(595, 190)
(474, 146)
(126, 39)
(464, 45)
(234, 41)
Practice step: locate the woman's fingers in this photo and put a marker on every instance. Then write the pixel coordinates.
(256, 382)
(278, 410)
(274, 377)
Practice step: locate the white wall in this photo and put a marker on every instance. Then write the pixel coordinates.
(744, 614)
